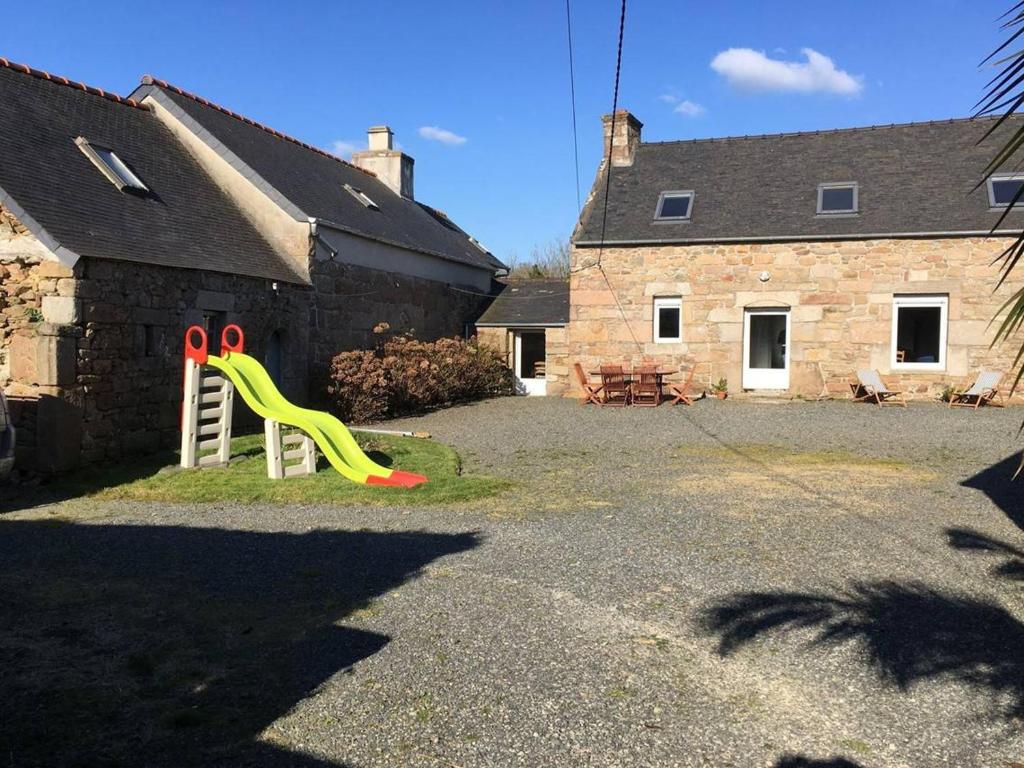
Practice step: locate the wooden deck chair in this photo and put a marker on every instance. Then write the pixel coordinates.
(646, 386)
(591, 392)
(983, 391)
(615, 385)
(870, 388)
(680, 390)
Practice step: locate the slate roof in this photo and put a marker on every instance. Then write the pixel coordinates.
(529, 302)
(913, 179)
(309, 182)
(56, 191)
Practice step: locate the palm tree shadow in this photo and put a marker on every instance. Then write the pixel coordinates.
(909, 632)
(175, 646)
(801, 761)
(998, 484)
(1012, 566)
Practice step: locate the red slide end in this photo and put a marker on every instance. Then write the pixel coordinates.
(397, 478)
(408, 479)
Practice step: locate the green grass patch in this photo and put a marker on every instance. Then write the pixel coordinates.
(245, 479)
(775, 454)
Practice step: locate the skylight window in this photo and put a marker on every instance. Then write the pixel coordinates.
(838, 197)
(1003, 189)
(478, 244)
(111, 166)
(361, 196)
(674, 206)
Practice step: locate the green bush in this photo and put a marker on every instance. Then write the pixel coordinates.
(404, 376)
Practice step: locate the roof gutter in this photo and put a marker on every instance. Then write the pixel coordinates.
(521, 325)
(801, 238)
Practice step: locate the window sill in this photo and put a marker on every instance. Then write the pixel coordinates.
(668, 341)
(917, 367)
(838, 215)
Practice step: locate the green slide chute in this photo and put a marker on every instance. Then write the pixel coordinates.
(332, 437)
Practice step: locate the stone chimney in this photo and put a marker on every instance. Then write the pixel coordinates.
(627, 137)
(392, 166)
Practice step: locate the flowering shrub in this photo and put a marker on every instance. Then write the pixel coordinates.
(404, 376)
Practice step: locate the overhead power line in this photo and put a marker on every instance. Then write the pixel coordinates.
(572, 93)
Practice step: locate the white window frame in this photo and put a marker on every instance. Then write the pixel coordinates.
(674, 193)
(667, 302)
(839, 185)
(940, 300)
(992, 192)
(116, 170)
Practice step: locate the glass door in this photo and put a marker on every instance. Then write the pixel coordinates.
(766, 349)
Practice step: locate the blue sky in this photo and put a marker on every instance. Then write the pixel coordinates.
(496, 75)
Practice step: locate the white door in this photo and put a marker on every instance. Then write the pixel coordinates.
(528, 361)
(766, 349)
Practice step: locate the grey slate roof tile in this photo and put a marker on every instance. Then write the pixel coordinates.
(529, 302)
(313, 181)
(186, 222)
(913, 179)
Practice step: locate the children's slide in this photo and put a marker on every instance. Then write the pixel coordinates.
(333, 438)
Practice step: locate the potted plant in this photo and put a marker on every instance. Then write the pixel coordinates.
(721, 389)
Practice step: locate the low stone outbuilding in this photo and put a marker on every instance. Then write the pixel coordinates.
(784, 263)
(125, 220)
(526, 323)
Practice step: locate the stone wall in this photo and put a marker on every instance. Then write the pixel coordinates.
(133, 319)
(840, 294)
(350, 300)
(556, 354)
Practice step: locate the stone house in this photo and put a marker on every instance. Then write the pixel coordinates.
(783, 263)
(526, 323)
(125, 220)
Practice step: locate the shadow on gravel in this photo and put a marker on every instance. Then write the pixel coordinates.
(998, 484)
(909, 632)
(800, 761)
(173, 646)
(1012, 566)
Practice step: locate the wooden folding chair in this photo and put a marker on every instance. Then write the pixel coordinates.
(615, 384)
(591, 392)
(680, 390)
(869, 387)
(983, 391)
(646, 386)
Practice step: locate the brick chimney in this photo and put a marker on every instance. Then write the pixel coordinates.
(626, 139)
(392, 166)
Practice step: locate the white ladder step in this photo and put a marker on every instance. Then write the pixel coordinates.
(206, 445)
(298, 453)
(212, 381)
(212, 459)
(295, 470)
(216, 396)
(210, 429)
(210, 413)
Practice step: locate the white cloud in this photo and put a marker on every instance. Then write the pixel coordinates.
(753, 71)
(344, 148)
(682, 106)
(433, 133)
(689, 108)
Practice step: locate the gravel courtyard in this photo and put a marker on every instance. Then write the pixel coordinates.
(731, 584)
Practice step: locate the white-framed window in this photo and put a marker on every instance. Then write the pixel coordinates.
(111, 166)
(1003, 189)
(837, 197)
(668, 319)
(674, 206)
(919, 323)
